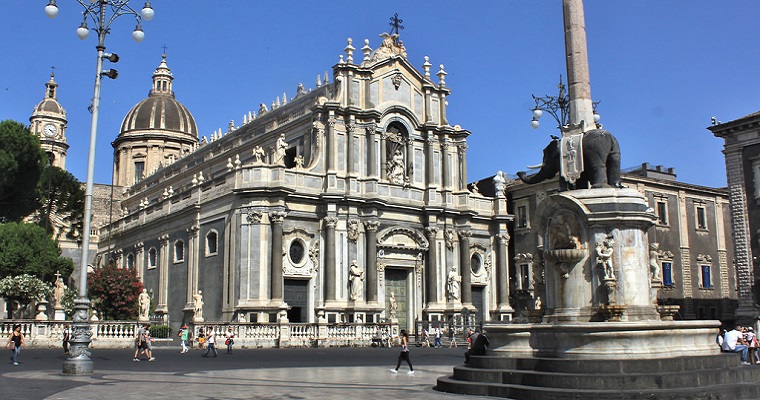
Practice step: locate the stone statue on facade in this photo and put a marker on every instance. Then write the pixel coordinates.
(279, 151)
(394, 306)
(452, 284)
(654, 261)
(198, 305)
(499, 183)
(258, 154)
(395, 168)
(356, 278)
(604, 257)
(564, 232)
(144, 302)
(390, 46)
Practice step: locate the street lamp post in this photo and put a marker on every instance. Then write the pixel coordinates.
(558, 107)
(102, 13)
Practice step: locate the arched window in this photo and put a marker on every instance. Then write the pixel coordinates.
(212, 243)
(179, 251)
(152, 258)
(130, 260)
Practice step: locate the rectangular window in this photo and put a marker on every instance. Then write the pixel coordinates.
(706, 277)
(522, 217)
(139, 171)
(667, 274)
(701, 217)
(662, 212)
(524, 277)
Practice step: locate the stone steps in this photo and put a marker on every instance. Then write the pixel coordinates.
(708, 377)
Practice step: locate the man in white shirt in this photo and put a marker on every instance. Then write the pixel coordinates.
(734, 343)
(211, 342)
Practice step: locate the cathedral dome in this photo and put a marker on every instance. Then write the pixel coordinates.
(160, 112)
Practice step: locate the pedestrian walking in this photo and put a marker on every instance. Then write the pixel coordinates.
(15, 341)
(453, 336)
(437, 336)
(66, 337)
(229, 341)
(404, 337)
(142, 344)
(210, 342)
(183, 334)
(201, 338)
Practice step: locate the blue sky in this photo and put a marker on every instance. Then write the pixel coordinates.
(661, 69)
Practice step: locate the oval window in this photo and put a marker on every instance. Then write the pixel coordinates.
(475, 263)
(296, 251)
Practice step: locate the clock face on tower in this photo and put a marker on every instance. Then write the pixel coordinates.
(50, 130)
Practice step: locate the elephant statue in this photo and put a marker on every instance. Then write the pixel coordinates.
(601, 162)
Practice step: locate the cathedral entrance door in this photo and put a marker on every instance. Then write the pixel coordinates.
(478, 301)
(396, 281)
(296, 296)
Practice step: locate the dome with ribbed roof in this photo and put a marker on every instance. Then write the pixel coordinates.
(160, 112)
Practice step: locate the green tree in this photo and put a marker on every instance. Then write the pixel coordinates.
(21, 163)
(27, 249)
(23, 289)
(114, 292)
(62, 199)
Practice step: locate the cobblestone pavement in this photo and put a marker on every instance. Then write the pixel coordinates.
(335, 373)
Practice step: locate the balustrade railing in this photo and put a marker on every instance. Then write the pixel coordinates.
(121, 334)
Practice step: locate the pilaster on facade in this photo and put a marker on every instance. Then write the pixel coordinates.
(745, 268)
(688, 291)
(163, 276)
(193, 249)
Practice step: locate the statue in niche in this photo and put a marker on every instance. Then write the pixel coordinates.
(198, 305)
(279, 151)
(564, 232)
(356, 278)
(394, 305)
(537, 303)
(258, 154)
(654, 261)
(144, 302)
(604, 257)
(452, 284)
(449, 236)
(395, 168)
(353, 230)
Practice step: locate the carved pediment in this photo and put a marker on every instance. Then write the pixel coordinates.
(402, 238)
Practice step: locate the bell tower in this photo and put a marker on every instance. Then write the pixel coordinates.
(48, 122)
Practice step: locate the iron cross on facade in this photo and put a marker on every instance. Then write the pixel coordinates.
(396, 26)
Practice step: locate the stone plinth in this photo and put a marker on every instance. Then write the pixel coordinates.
(574, 224)
(604, 340)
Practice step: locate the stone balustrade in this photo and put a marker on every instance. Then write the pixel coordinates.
(121, 334)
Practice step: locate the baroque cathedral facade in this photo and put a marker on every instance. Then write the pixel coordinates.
(347, 202)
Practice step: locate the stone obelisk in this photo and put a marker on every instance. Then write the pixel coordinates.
(579, 86)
